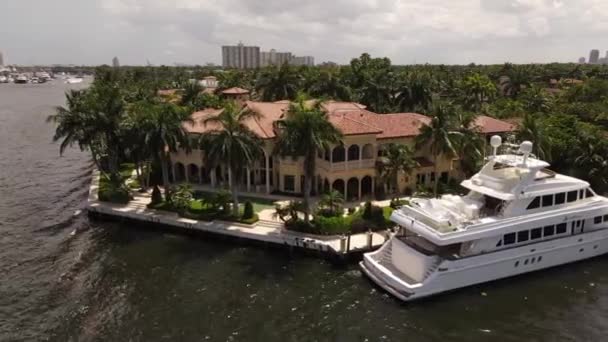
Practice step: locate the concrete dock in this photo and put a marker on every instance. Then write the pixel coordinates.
(266, 230)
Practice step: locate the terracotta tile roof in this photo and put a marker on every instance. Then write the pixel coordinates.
(198, 119)
(348, 117)
(488, 125)
(399, 125)
(352, 123)
(235, 91)
(166, 92)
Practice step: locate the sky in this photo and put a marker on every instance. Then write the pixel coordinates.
(192, 31)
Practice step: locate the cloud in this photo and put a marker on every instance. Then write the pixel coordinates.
(192, 31)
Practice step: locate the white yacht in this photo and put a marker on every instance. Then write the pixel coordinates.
(517, 217)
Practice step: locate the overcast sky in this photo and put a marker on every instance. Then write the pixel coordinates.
(192, 31)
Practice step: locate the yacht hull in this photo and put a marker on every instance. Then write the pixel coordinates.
(449, 275)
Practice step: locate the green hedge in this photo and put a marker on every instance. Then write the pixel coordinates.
(373, 218)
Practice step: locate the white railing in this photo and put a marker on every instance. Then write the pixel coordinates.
(345, 165)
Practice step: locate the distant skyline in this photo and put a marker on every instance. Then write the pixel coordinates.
(92, 32)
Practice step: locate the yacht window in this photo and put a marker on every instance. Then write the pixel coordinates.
(499, 243)
(498, 166)
(581, 194)
(588, 193)
(549, 230)
(561, 228)
(534, 204)
(571, 196)
(597, 220)
(536, 233)
(605, 218)
(509, 239)
(547, 200)
(522, 236)
(560, 198)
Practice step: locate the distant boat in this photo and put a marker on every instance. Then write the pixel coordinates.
(21, 79)
(34, 80)
(73, 80)
(3, 79)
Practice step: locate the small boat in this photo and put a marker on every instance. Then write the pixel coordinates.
(44, 76)
(518, 217)
(3, 79)
(21, 79)
(34, 80)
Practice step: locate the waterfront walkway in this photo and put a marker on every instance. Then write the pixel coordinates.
(267, 229)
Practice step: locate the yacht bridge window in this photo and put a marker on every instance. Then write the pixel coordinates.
(559, 198)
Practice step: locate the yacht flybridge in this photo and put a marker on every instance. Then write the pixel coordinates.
(517, 217)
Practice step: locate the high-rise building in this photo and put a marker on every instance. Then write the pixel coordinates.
(240, 56)
(594, 56)
(1, 59)
(273, 57)
(302, 60)
(115, 62)
(581, 60)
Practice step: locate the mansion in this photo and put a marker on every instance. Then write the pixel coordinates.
(349, 167)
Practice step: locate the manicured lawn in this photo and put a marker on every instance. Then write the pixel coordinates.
(258, 203)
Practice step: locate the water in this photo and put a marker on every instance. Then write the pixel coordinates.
(65, 278)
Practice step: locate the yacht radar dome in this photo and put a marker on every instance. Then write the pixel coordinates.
(526, 149)
(495, 142)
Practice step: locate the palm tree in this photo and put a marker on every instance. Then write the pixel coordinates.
(515, 79)
(161, 130)
(232, 144)
(92, 119)
(439, 135)
(592, 158)
(398, 158)
(537, 100)
(469, 144)
(415, 91)
(533, 130)
(332, 200)
(288, 213)
(477, 89)
(304, 131)
(190, 93)
(328, 84)
(278, 83)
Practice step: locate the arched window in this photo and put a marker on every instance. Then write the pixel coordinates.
(338, 154)
(353, 152)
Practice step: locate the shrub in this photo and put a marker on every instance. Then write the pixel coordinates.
(182, 197)
(332, 225)
(157, 197)
(326, 212)
(248, 211)
(302, 227)
(112, 192)
(351, 211)
(253, 219)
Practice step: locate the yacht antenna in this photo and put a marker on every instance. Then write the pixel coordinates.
(526, 149)
(495, 142)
